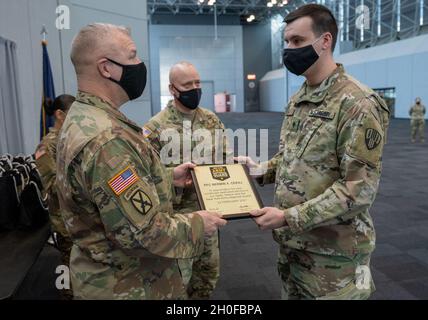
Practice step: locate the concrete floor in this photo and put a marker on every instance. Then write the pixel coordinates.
(248, 256)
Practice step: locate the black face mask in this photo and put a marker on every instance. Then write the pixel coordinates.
(299, 60)
(191, 98)
(133, 79)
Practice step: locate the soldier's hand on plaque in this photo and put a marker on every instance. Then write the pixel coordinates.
(212, 221)
(254, 169)
(181, 175)
(269, 218)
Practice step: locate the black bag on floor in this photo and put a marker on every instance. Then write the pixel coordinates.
(33, 210)
(9, 203)
(21, 202)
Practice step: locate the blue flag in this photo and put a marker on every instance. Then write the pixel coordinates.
(48, 93)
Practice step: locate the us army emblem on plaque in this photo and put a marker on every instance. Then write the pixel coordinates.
(373, 138)
(141, 201)
(219, 173)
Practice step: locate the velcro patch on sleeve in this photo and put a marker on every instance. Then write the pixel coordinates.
(123, 180)
(367, 141)
(373, 138)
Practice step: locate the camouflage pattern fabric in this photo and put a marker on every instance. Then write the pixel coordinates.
(326, 176)
(202, 273)
(47, 169)
(116, 200)
(417, 121)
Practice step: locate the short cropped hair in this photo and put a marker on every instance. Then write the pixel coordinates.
(322, 20)
(90, 38)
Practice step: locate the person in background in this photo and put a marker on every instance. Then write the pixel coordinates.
(45, 160)
(417, 120)
(185, 116)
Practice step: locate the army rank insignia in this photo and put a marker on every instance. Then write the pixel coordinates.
(123, 180)
(373, 138)
(141, 201)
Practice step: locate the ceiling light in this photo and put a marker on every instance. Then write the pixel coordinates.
(270, 4)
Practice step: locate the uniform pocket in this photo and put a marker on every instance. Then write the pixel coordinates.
(349, 292)
(310, 128)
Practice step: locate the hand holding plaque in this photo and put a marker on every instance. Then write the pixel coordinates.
(227, 189)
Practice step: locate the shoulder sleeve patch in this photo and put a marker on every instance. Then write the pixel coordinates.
(372, 138)
(366, 141)
(141, 201)
(123, 180)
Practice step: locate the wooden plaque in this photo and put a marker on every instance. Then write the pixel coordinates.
(227, 189)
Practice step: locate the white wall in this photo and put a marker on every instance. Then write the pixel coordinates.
(219, 60)
(401, 64)
(130, 13)
(276, 88)
(21, 21)
(273, 91)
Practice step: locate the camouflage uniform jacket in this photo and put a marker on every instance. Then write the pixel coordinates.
(417, 112)
(116, 201)
(47, 169)
(172, 118)
(328, 166)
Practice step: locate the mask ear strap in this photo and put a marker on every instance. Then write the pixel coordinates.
(317, 39)
(176, 88)
(116, 63)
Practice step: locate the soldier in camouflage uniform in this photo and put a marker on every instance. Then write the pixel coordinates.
(185, 116)
(327, 170)
(417, 120)
(45, 160)
(115, 194)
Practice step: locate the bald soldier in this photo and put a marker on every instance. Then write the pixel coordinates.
(115, 194)
(417, 120)
(327, 170)
(184, 115)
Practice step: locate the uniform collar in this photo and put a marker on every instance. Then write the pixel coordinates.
(95, 101)
(319, 94)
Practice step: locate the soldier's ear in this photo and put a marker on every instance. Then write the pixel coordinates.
(103, 68)
(60, 115)
(172, 90)
(327, 41)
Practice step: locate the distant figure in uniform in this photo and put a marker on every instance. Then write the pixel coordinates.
(327, 170)
(45, 160)
(114, 192)
(417, 120)
(184, 115)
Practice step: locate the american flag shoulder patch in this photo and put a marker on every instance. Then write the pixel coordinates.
(123, 180)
